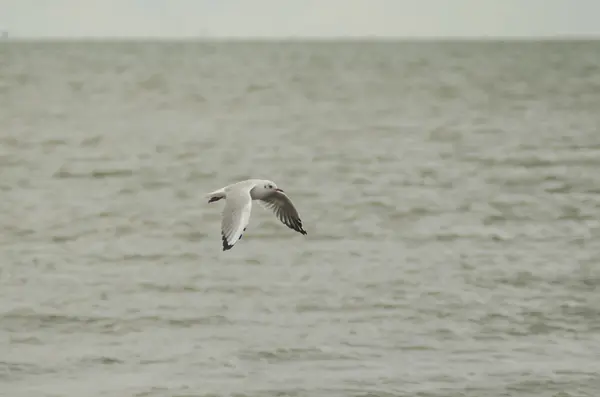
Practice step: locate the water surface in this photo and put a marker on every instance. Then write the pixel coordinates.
(450, 191)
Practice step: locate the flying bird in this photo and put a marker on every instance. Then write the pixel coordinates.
(238, 206)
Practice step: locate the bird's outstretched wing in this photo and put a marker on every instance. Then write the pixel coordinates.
(283, 208)
(235, 217)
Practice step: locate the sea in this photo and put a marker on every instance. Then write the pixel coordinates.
(450, 191)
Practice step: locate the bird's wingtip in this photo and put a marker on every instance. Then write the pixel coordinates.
(226, 245)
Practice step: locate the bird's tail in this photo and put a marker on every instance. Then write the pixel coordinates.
(216, 195)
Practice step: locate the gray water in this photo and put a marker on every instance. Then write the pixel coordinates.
(451, 194)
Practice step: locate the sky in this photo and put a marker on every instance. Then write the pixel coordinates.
(300, 18)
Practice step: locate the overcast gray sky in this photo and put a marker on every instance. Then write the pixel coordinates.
(276, 18)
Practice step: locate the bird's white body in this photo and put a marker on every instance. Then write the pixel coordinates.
(238, 207)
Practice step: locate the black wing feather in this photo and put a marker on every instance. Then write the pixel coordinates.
(283, 208)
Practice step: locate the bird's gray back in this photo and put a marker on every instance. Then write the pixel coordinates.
(242, 185)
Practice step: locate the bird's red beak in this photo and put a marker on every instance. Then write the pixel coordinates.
(279, 190)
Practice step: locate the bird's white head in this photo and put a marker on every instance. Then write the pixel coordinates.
(265, 188)
(271, 186)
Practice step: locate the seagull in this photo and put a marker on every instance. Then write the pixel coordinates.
(238, 206)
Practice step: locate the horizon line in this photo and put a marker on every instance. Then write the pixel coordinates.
(208, 38)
